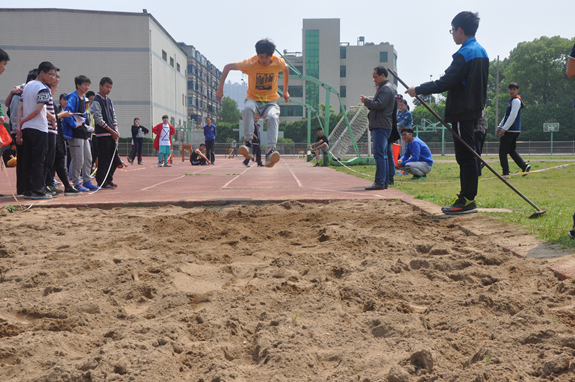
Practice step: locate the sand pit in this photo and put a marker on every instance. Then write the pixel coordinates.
(347, 291)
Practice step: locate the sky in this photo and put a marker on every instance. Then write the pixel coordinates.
(226, 30)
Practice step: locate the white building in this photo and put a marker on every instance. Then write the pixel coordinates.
(203, 79)
(347, 68)
(146, 64)
(236, 91)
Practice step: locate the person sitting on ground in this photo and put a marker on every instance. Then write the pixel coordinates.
(9, 155)
(320, 146)
(417, 159)
(256, 144)
(198, 158)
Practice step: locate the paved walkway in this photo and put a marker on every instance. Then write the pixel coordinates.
(228, 181)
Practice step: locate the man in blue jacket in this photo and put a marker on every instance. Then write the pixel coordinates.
(210, 138)
(76, 132)
(417, 159)
(465, 81)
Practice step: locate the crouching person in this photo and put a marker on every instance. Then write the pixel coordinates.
(198, 157)
(417, 158)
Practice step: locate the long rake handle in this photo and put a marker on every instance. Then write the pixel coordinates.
(466, 145)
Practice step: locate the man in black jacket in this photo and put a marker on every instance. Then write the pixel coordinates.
(138, 132)
(107, 134)
(466, 84)
(381, 117)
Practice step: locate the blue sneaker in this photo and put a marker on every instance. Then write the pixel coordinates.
(80, 188)
(90, 186)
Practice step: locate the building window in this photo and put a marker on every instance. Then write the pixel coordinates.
(190, 69)
(164, 56)
(312, 67)
(172, 62)
(342, 71)
(178, 67)
(395, 60)
(183, 99)
(294, 91)
(382, 56)
(172, 121)
(291, 111)
(191, 101)
(191, 85)
(342, 52)
(342, 91)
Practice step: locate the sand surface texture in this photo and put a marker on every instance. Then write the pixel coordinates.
(349, 291)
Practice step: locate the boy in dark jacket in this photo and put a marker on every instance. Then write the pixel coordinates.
(138, 132)
(465, 81)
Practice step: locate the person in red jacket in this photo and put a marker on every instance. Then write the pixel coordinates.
(163, 141)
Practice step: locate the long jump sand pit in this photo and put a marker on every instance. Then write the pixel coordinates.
(346, 291)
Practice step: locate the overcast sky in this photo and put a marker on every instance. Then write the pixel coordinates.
(226, 30)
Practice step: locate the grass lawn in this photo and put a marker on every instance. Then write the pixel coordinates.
(553, 191)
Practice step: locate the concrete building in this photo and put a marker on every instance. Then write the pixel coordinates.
(202, 83)
(147, 65)
(346, 67)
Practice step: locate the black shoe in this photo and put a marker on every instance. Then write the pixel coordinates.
(460, 207)
(571, 233)
(261, 165)
(376, 186)
(35, 196)
(72, 192)
(247, 165)
(391, 181)
(50, 192)
(527, 169)
(316, 165)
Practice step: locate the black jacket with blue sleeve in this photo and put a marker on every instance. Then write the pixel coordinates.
(465, 82)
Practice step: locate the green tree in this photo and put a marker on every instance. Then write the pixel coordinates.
(229, 112)
(538, 67)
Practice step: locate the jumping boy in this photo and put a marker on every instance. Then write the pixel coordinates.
(262, 71)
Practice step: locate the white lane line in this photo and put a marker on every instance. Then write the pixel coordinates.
(226, 185)
(180, 177)
(158, 184)
(295, 177)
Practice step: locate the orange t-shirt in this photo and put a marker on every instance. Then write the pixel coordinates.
(262, 80)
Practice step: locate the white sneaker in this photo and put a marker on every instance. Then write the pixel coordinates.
(272, 157)
(246, 150)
